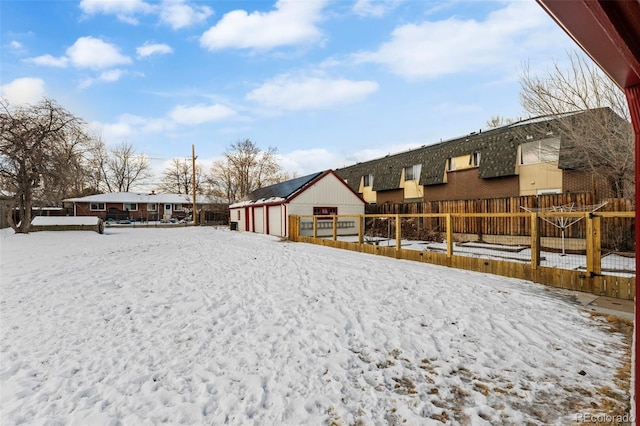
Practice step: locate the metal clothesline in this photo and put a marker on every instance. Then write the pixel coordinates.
(564, 222)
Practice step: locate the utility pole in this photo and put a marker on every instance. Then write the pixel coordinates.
(193, 184)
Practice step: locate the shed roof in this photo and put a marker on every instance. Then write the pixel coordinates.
(284, 189)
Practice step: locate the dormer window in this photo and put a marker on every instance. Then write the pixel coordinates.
(542, 151)
(474, 159)
(367, 180)
(451, 164)
(412, 172)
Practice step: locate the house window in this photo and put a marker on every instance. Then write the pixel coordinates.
(412, 172)
(132, 207)
(152, 207)
(451, 164)
(367, 180)
(321, 211)
(541, 151)
(177, 207)
(474, 159)
(97, 206)
(238, 215)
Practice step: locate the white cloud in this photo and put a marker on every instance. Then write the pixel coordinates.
(129, 126)
(93, 53)
(15, 45)
(111, 75)
(292, 23)
(309, 161)
(50, 61)
(375, 8)
(373, 153)
(124, 10)
(178, 14)
(23, 91)
(149, 49)
(431, 49)
(114, 132)
(287, 93)
(199, 114)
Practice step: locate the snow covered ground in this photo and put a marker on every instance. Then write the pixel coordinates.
(210, 326)
(612, 263)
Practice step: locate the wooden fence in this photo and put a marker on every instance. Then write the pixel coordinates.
(591, 280)
(519, 225)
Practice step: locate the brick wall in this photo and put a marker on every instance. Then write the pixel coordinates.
(465, 184)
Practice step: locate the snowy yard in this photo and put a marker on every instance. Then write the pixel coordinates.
(209, 326)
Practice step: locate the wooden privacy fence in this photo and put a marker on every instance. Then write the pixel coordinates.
(517, 225)
(527, 228)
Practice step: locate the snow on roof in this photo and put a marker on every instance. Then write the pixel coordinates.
(133, 197)
(64, 220)
(260, 201)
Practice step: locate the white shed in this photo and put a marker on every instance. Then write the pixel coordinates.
(267, 209)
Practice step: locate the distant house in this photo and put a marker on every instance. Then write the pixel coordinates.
(136, 206)
(529, 157)
(267, 209)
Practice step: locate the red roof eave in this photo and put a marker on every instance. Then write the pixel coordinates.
(607, 31)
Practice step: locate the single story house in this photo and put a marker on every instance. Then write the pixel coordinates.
(136, 206)
(266, 210)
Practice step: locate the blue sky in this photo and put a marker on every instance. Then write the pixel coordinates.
(327, 83)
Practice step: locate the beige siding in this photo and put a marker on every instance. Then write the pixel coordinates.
(259, 220)
(539, 177)
(329, 191)
(367, 192)
(275, 220)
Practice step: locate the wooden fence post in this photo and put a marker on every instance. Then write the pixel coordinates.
(361, 220)
(398, 232)
(594, 244)
(293, 227)
(335, 228)
(315, 227)
(535, 241)
(449, 232)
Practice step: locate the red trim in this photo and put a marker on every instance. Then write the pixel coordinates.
(246, 218)
(266, 217)
(253, 219)
(608, 31)
(633, 99)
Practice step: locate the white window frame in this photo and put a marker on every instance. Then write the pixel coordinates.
(451, 164)
(367, 180)
(178, 207)
(132, 207)
(474, 159)
(152, 207)
(535, 151)
(97, 208)
(415, 172)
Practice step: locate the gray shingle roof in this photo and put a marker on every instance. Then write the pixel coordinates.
(498, 150)
(283, 189)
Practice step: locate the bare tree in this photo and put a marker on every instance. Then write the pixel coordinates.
(121, 167)
(42, 150)
(222, 182)
(498, 121)
(177, 178)
(603, 143)
(245, 168)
